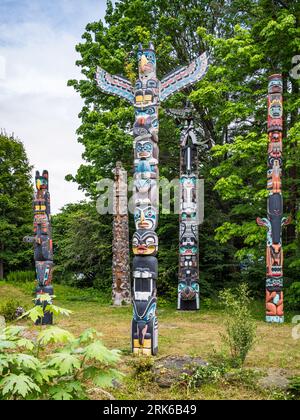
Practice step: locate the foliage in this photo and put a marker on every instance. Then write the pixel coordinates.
(294, 387)
(29, 371)
(82, 246)
(205, 374)
(20, 276)
(15, 203)
(10, 309)
(221, 373)
(240, 326)
(292, 296)
(247, 41)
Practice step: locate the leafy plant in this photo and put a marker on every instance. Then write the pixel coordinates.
(240, 326)
(20, 276)
(292, 296)
(294, 387)
(29, 371)
(10, 309)
(205, 374)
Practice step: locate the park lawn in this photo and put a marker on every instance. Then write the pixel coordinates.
(180, 333)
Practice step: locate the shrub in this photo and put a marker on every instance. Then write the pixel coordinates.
(10, 309)
(240, 326)
(20, 276)
(204, 375)
(294, 387)
(292, 297)
(28, 371)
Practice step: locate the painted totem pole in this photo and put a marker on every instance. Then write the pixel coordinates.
(42, 242)
(188, 275)
(120, 268)
(275, 219)
(146, 95)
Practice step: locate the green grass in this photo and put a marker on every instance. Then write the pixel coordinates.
(180, 333)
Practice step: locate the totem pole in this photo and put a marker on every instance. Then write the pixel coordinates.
(275, 219)
(189, 218)
(42, 241)
(121, 294)
(146, 95)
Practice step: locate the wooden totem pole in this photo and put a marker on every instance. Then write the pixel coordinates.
(42, 242)
(275, 219)
(146, 95)
(121, 294)
(189, 220)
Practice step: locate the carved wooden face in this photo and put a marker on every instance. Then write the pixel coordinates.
(144, 149)
(44, 272)
(41, 181)
(147, 63)
(275, 84)
(145, 217)
(188, 290)
(145, 243)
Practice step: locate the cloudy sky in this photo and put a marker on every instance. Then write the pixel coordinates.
(37, 57)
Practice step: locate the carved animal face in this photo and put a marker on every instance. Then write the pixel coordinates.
(41, 181)
(145, 217)
(275, 84)
(144, 149)
(144, 243)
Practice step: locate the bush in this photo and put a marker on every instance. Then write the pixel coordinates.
(74, 365)
(292, 297)
(10, 309)
(20, 276)
(294, 387)
(240, 326)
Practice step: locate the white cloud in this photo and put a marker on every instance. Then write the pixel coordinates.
(35, 102)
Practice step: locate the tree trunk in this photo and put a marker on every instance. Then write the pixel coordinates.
(1, 270)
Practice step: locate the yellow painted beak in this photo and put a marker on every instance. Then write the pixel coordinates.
(144, 62)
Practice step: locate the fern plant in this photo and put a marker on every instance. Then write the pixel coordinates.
(28, 371)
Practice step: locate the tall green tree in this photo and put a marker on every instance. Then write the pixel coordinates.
(247, 40)
(83, 246)
(15, 205)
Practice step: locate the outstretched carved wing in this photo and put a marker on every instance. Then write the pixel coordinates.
(115, 85)
(183, 77)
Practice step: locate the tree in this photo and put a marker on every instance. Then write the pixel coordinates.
(15, 203)
(83, 246)
(247, 40)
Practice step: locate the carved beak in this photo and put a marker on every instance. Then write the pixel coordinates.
(144, 63)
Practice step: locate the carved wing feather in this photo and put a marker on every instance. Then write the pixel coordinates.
(115, 85)
(183, 77)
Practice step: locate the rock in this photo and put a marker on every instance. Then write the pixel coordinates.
(168, 370)
(275, 379)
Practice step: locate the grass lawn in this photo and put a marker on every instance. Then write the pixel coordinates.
(180, 333)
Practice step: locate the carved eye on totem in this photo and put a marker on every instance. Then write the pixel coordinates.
(152, 84)
(138, 85)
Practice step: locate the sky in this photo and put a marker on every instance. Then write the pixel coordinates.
(37, 58)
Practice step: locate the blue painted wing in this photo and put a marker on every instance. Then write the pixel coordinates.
(183, 77)
(115, 85)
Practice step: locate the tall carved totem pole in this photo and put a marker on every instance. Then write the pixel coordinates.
(146, 95)
(188, 275)
(275, 219)
(42, 241)
(121, 293)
